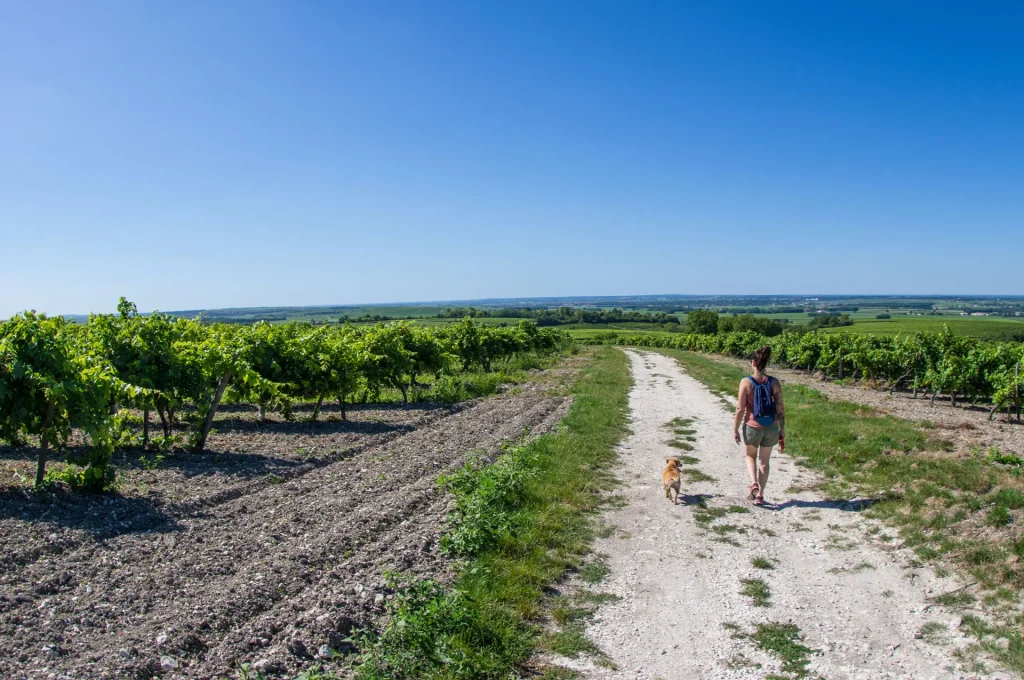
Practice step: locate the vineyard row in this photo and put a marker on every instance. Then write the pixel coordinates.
(958, 367)
(57, 376)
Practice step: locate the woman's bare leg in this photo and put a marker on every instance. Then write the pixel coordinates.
(763, 455)
(752, 464)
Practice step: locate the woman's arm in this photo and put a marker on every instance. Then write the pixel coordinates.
(780, 409)
(741, 411)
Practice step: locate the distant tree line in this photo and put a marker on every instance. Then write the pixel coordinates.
(708, 322)
(912, 305)
(830, 321)
(206, 317)
(760, 310)
(561, 315)
(369, 318)
(831, 311)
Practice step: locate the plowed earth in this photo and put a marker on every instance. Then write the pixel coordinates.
(270, 551)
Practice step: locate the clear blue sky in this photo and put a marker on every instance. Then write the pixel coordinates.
(211, 154)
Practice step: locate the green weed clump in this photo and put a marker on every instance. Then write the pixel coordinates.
(594, 572)
(704, 515)
(684, 434)
(432, 630)
(696, 476)
(785, 641)
(757, 590)
(488, 502)
(451, 389)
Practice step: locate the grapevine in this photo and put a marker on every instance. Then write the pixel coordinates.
(57, 376)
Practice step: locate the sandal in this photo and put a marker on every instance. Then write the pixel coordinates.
(759, 500)
(754, 490)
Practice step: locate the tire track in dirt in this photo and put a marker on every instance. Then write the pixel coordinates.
(157, 514)
(183, 508)
(678, 568)
(269, 576)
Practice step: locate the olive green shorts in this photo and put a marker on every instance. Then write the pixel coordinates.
(761, 436)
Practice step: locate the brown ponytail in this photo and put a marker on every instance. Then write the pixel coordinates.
(761, 358)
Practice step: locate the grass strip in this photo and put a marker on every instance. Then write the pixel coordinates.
(511, 543)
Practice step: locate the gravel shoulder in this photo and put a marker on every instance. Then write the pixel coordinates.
(677, 569)
(227, 558)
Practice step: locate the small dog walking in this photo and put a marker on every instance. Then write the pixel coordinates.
(670, 479)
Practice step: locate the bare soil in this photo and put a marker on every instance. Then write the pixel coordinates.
(269, 550)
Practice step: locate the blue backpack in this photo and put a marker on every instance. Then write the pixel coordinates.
(764, 402)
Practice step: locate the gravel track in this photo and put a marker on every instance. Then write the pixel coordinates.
(681, 612)
(268, 571)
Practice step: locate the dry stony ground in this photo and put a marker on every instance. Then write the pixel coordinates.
(269, 551)
(966, 427)
(679, 610)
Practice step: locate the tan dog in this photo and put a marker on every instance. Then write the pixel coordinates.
(670, 479)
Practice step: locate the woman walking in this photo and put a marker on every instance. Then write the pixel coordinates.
(759, 411)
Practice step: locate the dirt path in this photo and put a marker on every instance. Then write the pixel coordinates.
(678, 569)
(275, 573)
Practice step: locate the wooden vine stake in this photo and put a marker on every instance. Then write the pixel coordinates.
(1016, 388)
(44, 443)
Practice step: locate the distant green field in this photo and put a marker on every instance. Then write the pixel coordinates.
(623, 326)
(488, 321)
(594, 331)
(863, 315)
(905, 318)
(794, 317)
(804, 317)
(319, 314)
(990, 328)
(497, 321)
(431, 321)
(382, 310)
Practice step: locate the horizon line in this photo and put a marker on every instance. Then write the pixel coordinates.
(492, 300)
